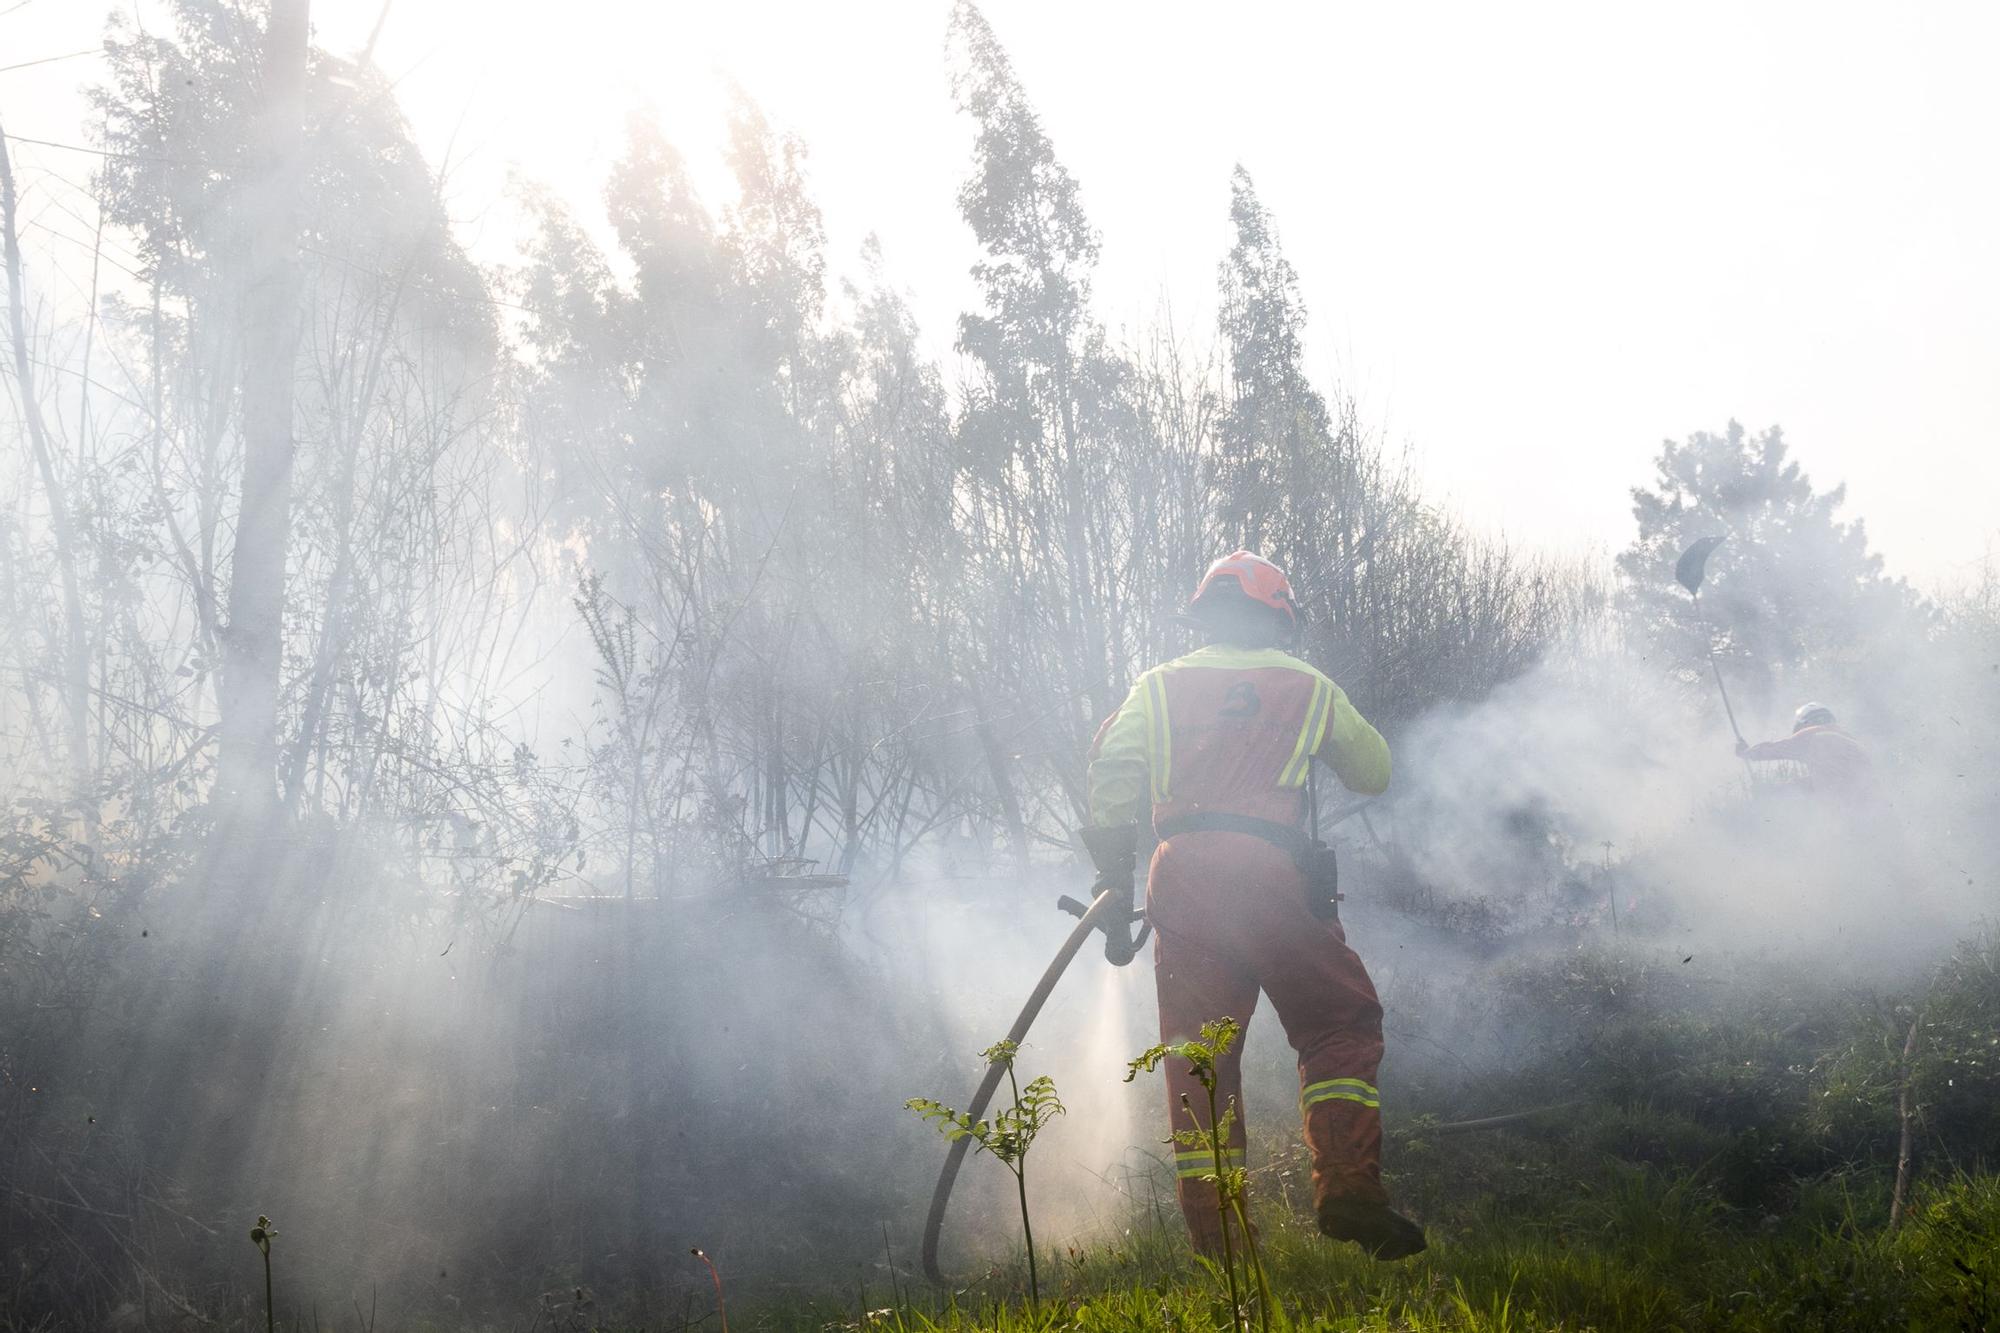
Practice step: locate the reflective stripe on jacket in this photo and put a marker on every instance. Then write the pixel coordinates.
(1229, 730)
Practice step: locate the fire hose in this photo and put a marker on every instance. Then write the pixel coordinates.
(1111, 912)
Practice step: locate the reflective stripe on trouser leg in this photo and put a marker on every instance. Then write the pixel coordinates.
(1195, 1163)
(1345, 1135)
(1339, 1089)
(1194, 1190)
(1343, 1124)
(1334, 1020)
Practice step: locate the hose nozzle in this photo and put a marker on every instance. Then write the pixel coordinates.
(1121, 945)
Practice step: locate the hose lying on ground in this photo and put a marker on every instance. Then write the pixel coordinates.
(1497, 1121)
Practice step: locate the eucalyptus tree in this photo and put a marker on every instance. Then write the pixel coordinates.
(316, 535)
(1403, 604)
(1065, 481)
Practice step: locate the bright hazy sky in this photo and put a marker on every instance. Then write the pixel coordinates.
(1535, 239)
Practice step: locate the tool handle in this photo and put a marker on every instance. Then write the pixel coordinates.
(1708, 643)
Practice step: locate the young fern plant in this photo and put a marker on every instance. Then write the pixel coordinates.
(1228, 1175)
(1007, 1136)
(260, 1236)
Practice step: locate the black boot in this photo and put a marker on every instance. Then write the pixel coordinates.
(1375, 1227)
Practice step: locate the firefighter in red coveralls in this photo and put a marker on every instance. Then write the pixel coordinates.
(1835, 763)
(1220, 743)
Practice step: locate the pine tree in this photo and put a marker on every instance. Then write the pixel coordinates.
(1794, 587)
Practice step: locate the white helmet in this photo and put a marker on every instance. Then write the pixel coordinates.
(1812, 715)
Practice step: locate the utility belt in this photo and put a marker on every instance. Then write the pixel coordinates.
(1287, 838)
(1315, 860)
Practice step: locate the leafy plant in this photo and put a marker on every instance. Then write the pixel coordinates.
(1007, 1136)
(1229, 1178)
(260, 1236)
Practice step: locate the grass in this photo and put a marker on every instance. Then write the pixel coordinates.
(1637, 1249)
(1727, 1166)
(1533, 1230)
(1723, 1160)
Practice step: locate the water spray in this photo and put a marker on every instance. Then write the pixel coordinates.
(1110, 912)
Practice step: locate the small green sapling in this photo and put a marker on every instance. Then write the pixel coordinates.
(1007, 1136)
(1228, 1176)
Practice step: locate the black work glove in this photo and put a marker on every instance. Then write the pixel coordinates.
(1115, 853)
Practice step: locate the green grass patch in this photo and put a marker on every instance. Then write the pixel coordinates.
(1636, 1249)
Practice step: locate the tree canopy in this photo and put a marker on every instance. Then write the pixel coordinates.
(1793, 588)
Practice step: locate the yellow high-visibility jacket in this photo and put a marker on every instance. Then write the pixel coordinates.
(1229, 730)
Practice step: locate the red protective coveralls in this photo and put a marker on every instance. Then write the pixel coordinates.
(1234, 731)
(1834, 760)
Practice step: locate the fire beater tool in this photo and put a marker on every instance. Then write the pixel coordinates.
(1688, 572)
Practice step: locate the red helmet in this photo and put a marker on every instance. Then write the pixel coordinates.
(1253, 577)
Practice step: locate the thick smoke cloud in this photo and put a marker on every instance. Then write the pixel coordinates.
(679, 708)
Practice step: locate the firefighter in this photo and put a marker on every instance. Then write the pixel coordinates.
(1219, 743)
(1835, 763)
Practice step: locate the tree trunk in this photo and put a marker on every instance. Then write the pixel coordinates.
(1003, 784)
(778, 833)
(253, 647)
(1900, 1193)
(75, 653)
